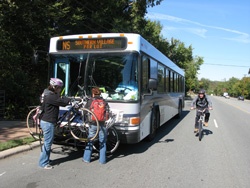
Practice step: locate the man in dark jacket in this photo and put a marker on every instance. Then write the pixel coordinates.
(50, 110)
(201, 102)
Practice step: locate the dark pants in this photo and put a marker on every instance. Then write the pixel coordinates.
(207, 115)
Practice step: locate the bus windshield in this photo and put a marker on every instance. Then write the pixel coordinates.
(116, 74)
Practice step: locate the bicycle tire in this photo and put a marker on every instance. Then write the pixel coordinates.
(32, 124)
(112, 142)
(200, 130)
(80, 130)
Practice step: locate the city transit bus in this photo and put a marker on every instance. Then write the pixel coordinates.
(142, 85)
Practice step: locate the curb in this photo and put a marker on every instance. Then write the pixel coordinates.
(19, 149)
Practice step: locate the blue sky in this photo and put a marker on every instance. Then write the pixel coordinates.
(217, 30)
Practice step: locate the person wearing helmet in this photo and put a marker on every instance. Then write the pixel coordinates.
(50, 111)
(201, 102)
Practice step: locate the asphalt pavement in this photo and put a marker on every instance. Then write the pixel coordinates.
(13, 130)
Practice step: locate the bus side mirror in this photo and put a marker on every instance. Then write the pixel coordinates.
(152, 84)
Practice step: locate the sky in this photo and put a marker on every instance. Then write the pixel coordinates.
(217, 30)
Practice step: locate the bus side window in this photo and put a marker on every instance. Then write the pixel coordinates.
(145, 74)
(167, 79)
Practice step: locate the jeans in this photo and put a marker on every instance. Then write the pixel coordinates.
(48, 134)
(102, 142)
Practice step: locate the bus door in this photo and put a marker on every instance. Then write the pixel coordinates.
(61, 70)
(145, 101)
(149, 107)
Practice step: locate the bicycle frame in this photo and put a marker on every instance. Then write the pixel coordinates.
(72, 125)
(113, 140)
(201, 122)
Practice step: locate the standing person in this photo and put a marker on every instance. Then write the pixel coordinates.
(92, 131)
(201, 102)
(50, 112)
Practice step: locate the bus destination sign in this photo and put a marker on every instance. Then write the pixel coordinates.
(117, 43)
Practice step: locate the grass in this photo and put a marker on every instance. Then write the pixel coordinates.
(14, 143)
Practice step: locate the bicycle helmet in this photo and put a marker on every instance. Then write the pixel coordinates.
(202, 91)
(56, 82)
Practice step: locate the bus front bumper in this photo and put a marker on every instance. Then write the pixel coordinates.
(128, 135)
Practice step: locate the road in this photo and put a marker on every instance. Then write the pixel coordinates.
(176, 158)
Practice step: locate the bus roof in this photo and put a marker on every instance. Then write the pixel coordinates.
(134, 42)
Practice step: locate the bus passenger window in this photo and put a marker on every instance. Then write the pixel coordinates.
(145, 74)
(161, 74)
(167, 80)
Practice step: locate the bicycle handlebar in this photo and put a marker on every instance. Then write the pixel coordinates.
(84, 95)
(202, 111)
(209, 108)
(77, 102)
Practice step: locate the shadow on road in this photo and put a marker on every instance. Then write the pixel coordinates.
(128, 149)
(69, 153)
(206, 132)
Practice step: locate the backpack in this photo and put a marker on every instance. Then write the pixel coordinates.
(99, 108)
(200, 104)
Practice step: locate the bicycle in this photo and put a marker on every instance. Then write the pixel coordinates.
(32, 122)
(74, 121)
(73, 125)
(112, 135)
(201, 123)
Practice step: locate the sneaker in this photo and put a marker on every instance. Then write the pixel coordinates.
(48, 167)
(195, 130)
(205, 124)
(85, 161)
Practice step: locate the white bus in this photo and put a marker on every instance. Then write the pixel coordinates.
(137, 80)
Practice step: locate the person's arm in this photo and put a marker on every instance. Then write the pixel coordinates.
(210, 106)
(193, 103)
(58, 101)
(88, 103)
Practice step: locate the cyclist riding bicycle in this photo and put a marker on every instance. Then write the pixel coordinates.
(201, 102)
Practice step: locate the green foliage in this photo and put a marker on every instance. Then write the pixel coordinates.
(15, 143)
(26, 27)
(234, 87)
(204, 84)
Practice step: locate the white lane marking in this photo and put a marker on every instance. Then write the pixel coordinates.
(2, 173)
(215, 123)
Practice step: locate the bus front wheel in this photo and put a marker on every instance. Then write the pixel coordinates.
(155, 116)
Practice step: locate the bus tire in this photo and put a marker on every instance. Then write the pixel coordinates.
(178, 116)
(154, 124)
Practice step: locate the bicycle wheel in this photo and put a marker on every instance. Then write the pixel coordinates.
(32, 124)
(79, 125)
(112, 141)
(200, 130)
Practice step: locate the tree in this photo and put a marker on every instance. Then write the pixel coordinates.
(230, 86)
(27, 26)
(205, 84)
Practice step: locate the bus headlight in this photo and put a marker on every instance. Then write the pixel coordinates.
(130, 121)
